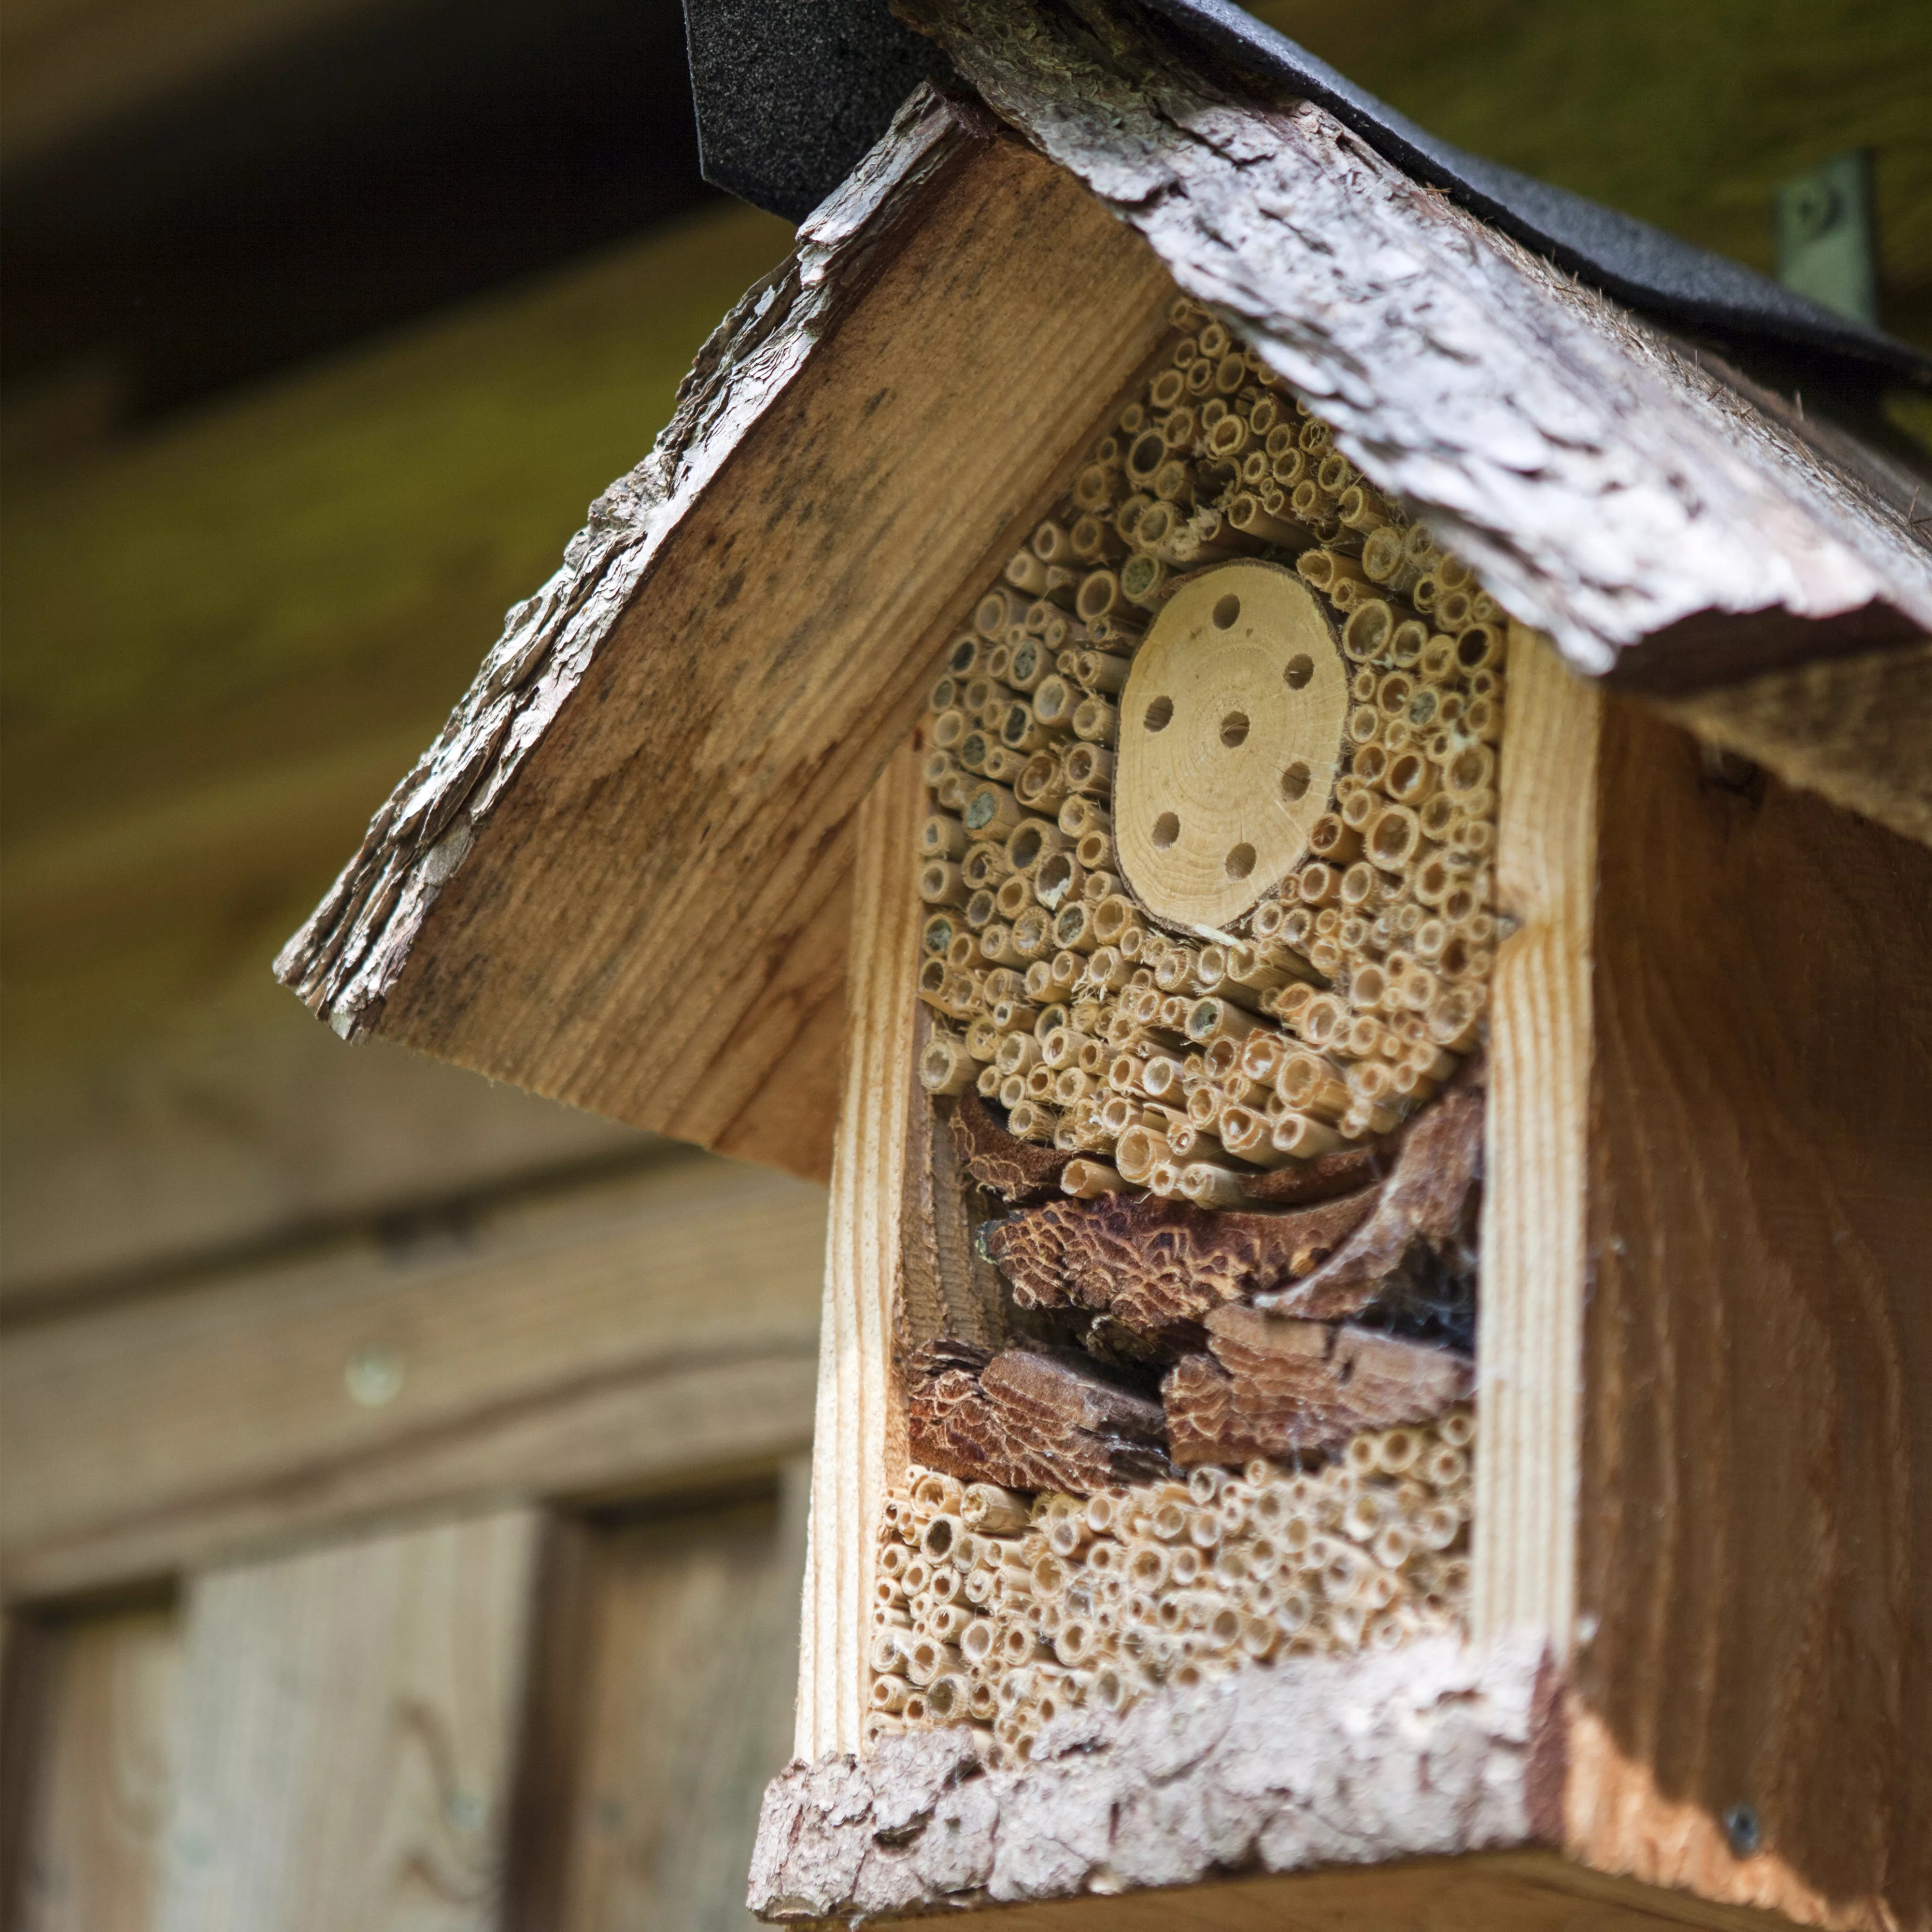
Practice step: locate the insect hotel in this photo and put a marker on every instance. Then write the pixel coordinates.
(1320, 822)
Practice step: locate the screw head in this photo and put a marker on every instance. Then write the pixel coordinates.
(1743, 1829)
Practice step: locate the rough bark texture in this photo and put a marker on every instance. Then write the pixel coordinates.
(1420, 1243)
(1283, 1388)
(1607, 487)
(1021, 1172)
(347, 956)
(1028, 1420)
(1437, 1749)
(945, 1286)
(1159, 1267)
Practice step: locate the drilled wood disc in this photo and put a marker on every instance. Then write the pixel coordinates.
(1230, 735)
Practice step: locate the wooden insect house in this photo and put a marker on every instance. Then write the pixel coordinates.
(1316, 809)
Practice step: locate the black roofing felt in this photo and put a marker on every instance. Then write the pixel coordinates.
(791, 93)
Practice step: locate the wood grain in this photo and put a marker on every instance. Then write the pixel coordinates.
(1755, 1513)
(101, 1789)
(351, 1725)
(657, 934)
(1528, 1341)
(859, 1442)
(609, 1337)
(1853, 730)
(684, 1668)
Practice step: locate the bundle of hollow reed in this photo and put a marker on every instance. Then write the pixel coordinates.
(999, 1610)
(1345, 997)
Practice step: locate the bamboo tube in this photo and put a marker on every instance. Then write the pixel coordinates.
(1089, 768)
(1088, 1180)
(1144, 580)
(1057, 880)
(1055, 701)
(1095, 720)
(1012, 898)
(1393, 837)
(942, 837)
(1302, 1137)
(991, 812)
(1001, 608)
(1031, 841)
(1027, 572)
(1246, 1134)
(1211, 1019)
(941, 883)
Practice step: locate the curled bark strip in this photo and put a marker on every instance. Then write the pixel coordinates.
(1281, 1388)
(1422, 1227)
(1160, 1267)
(1029, 1421)
(1022, 1172)
(1302, 1182)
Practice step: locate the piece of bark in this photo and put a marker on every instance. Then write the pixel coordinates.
(1348, 1170)
(1159, 1267)
(1419, 1243)
(1437, 1748)
(1281, 1388)
(945, 1286)
(1022, 1172)
(1029, 1421)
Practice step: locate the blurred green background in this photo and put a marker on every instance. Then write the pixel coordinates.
(320, 338)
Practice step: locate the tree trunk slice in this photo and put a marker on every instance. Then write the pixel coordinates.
(1022, 1172)
(1423, 1227)
(1283, 1388)
(1162, 1267)
(1030, 1421)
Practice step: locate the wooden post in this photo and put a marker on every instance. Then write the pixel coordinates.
(859, 1445)
(1528, 1341)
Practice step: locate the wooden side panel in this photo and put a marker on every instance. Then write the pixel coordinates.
(651, 925)
(100, 1767)
(859, 1444)
(352, 1720)
(1529, 1348)
(687, 1671)
(1756, 1511)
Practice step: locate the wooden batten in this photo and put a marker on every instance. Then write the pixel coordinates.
(1529, 1340)
(859, 1442)
(639, 904)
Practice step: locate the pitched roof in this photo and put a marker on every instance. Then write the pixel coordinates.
(620, 875)
(790, 93)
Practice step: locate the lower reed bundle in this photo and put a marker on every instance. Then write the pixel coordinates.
(999, 1610)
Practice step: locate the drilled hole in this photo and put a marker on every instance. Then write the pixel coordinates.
(1166, 830)
(1226, 611)
(1234, 729)
(1159, 714)
(1241, 862)
(1301, 669)
(1294, 781)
